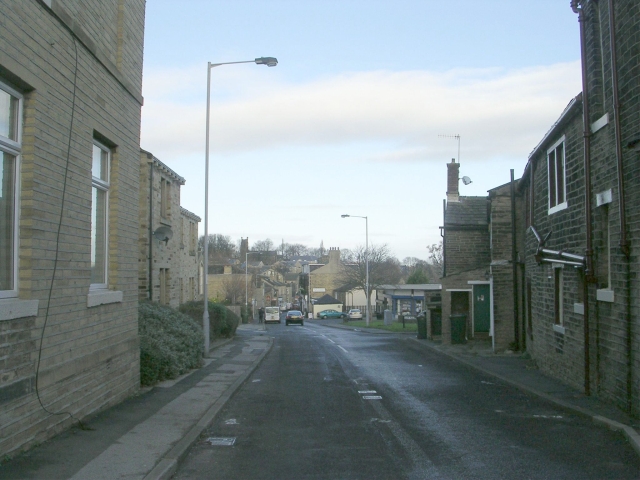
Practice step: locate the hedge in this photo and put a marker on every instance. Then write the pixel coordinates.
(170, 343)
(222, 321)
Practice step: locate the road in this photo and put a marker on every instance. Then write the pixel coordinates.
(336, 404)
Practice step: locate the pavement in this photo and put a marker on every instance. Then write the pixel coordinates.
(146, 436)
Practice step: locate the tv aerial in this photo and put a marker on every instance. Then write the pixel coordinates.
(457, 137)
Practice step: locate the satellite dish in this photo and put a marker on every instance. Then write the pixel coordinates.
(163, 234)
(466, 180)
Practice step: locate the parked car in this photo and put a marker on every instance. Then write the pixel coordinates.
(331, 314)
(294, 316)
(355, 314)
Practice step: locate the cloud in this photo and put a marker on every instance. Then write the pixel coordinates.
(496, 111)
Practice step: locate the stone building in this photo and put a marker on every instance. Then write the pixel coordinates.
(466, 258)
(168, 262)
(581, 193)
(70, 99)
(325, 278)
(478, 298)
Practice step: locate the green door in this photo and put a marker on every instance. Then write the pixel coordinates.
(481, 308)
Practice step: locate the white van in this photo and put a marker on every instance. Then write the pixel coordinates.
(271, 314)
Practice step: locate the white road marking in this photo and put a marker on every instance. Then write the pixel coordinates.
(371, 397)
(366, 391)
(343, 349)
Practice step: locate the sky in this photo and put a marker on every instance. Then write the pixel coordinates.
(361, 113)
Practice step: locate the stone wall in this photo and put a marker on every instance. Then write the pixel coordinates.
(84, 344)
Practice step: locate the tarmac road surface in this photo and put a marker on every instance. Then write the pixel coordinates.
(337, 404)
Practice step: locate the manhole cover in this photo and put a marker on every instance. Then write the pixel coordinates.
(221, 441)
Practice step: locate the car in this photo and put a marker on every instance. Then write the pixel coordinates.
(294, 316)
(271, 314)
(355, 314)
(331, 314)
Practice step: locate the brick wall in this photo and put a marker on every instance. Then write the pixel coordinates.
(89, 356)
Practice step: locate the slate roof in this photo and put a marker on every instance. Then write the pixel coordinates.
(327, 300)
(468, 211)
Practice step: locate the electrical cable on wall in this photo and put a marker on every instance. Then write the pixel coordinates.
(55, 261)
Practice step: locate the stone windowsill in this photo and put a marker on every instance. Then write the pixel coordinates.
(605, 295)
(578, 308)
(559, 329)
(103, 297)
(12, 308)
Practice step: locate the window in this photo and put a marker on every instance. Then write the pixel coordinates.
(603, 247)
(558, 293)
(557, 179)
(164, 286)
(193, 238)
(10, 149)
(101, 164)
(164, 198)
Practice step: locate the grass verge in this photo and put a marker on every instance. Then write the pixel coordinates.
(379, 324)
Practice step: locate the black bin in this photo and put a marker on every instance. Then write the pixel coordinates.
(422, 327)
(458, 328)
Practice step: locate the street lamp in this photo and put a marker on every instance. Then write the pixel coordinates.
(270, 62)
(366, 255)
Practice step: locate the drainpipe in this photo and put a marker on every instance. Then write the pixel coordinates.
(578, 7)
(151, 230)
(624, 244)
(514, 264)
(442, 234)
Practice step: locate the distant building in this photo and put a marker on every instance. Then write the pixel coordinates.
(168, 263)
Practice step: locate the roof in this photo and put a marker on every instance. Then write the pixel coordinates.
(416, 286)
(468, 211)
(164, 168)
(327, 300)
(574, 107)
(190, 215)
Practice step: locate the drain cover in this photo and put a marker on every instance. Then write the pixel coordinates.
(221, 441)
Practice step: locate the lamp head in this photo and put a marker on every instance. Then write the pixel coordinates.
(268, 61)
(345, 215)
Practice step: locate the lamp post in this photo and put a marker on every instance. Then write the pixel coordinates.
(270, 62)
(366, 255)
(246, 281)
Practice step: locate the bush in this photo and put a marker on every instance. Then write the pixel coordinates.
(222, 321)
(170, 343)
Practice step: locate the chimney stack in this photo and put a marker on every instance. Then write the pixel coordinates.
(453, 172)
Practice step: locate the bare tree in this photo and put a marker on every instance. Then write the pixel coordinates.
(294, 250)
(383, 268)
(233, 288)
(220, 247)
(435, 257)
(262, 246)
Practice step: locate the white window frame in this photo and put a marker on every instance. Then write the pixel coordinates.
(559, 205)
(14, 148)
(104, 186)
